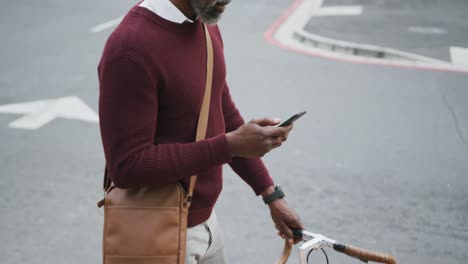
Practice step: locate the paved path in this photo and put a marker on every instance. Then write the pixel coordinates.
(380, 160)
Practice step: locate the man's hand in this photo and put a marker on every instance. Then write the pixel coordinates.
(284, 217)
(257, 137)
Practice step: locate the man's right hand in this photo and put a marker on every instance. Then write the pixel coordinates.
(257, 137)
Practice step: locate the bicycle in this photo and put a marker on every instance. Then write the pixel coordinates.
(311, 241)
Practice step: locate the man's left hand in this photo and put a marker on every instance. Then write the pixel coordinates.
(285, 218)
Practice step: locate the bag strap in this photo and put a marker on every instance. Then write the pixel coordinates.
(202, 119)
(205, 108)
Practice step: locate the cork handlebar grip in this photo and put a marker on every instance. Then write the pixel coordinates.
(286, 252)
(364, 254)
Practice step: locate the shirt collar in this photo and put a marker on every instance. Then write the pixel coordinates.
(166, 9)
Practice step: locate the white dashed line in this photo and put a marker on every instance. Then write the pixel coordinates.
(427, 30)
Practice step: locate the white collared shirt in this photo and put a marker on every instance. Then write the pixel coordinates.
(166, 9)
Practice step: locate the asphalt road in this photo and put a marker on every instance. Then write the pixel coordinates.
(379, 161)
(423, 27)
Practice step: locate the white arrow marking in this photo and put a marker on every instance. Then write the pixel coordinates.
(39, 113)
(338, 11)
(106, 25)
(459, 56)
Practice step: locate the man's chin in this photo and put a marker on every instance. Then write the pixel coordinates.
(210, 20)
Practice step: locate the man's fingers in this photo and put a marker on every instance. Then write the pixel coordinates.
(294, 240)
(275, 132)
(276, 142)
(281, 235)
(269, 144)
(286, 231)
(282, 227)
(266, 121)
(296, 223)
(290, 127)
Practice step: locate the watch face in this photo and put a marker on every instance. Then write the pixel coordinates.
(281, 193)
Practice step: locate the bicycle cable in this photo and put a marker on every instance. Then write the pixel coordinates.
(326, 256)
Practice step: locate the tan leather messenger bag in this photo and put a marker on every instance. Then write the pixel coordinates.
(149, 225)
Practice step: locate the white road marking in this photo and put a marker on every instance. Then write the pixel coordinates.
(459, 56)
(338, 11)
(427, 30)
(106, 25)
(39, 113)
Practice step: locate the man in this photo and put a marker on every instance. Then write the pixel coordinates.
(152, 80)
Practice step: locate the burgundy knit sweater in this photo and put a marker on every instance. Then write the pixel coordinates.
(152, 80)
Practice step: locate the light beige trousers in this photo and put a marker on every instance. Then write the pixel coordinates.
(205, 243)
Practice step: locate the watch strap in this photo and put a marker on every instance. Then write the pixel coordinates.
(275, 195)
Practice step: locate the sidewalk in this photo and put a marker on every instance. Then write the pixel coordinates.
(424, 27)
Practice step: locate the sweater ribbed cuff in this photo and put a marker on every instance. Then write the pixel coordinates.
(219, 150)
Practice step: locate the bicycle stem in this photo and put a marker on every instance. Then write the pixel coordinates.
(317, 241)
(314, 241)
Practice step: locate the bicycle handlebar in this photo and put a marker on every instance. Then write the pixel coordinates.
(364, 254)
(316, 241)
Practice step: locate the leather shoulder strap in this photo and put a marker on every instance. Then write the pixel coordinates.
(205, 109)
(202, 119)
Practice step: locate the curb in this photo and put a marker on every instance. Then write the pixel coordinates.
(288, 32)
(361, 50)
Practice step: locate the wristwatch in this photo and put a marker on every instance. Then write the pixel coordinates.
(277, 194)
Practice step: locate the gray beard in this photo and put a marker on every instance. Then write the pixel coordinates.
(207, 13)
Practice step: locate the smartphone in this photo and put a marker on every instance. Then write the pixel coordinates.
(292, 119)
